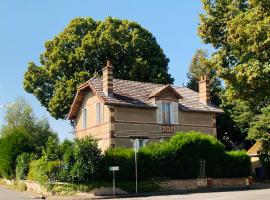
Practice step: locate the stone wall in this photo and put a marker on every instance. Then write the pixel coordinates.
(192, 184)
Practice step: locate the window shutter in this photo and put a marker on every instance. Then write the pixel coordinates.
(97, 113)
(159, 111)
(174, 112)
(84, 116)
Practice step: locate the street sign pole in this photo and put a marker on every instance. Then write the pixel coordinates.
(136, 148)
(113, 183)
(136, 172)
(113, 169)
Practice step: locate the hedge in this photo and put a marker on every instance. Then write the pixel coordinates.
(179, 158)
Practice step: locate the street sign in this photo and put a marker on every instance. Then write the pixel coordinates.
(114, 168)
(136, 145)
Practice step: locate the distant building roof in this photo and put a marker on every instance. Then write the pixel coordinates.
(253, 151)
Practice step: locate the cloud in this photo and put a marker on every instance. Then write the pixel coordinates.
(1, 106)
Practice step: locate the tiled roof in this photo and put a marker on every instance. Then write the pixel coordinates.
(133, 93)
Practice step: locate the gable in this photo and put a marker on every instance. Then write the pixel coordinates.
(166, 92)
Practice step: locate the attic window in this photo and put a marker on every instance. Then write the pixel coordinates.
(166, 113)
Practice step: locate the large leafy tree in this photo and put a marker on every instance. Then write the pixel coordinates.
(239, 31)
(80, 51)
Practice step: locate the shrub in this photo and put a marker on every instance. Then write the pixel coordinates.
(11, 146)
(237, 164)
(43, 171)
(179, 158)
(86, 160)
(122, 157)
(22, 164)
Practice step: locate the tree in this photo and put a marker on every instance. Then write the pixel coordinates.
(201, 66)
(239, 30)
(20, 116)
(80, 51)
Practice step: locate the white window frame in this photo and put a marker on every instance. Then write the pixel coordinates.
(99, 113)
(84, 118)
(167, 110)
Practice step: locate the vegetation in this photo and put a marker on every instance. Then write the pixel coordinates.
(75, 162)
(239, 31)
(200, 66)
(11, 146)
(179, 158)
(80, 51)
(21, 133)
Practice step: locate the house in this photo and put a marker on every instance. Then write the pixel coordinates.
(118, 111)
(256, 166)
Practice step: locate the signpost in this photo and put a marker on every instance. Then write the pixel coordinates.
(113, 169)
(136, 149)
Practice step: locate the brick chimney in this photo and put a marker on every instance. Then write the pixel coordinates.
(107, 79)
(204, 91)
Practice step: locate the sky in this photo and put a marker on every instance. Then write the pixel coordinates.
(26, 25)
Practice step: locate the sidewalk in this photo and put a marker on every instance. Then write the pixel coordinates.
(256, 186)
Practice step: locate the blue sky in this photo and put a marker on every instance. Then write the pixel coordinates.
(26, 25)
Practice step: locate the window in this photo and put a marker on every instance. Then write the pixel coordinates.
(99, 113)
(84, 116)
(166, 113)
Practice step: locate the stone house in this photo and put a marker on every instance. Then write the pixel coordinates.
(118, 111)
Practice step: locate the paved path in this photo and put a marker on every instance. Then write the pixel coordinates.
(8, 194)
(262, 194)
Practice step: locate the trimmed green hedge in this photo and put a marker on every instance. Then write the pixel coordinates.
(179, 158)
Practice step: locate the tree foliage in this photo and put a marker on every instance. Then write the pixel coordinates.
(239, 30)
(80, 51)
(19, 115)
(200, 66)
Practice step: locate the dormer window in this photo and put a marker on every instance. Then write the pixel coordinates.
(167, 112)
(166, 119)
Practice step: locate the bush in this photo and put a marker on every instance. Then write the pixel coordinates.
(237, 164)
(22, 164)
(179, 158)
(86, 160)
(122, 157)
(44, 171)
(11, 146)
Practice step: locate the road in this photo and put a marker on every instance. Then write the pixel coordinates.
(262, 194)
(7, 194)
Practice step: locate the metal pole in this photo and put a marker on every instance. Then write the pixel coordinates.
(136, 175)
(113, 183)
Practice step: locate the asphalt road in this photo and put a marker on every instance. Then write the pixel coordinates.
(262, 194)
(7, 194)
